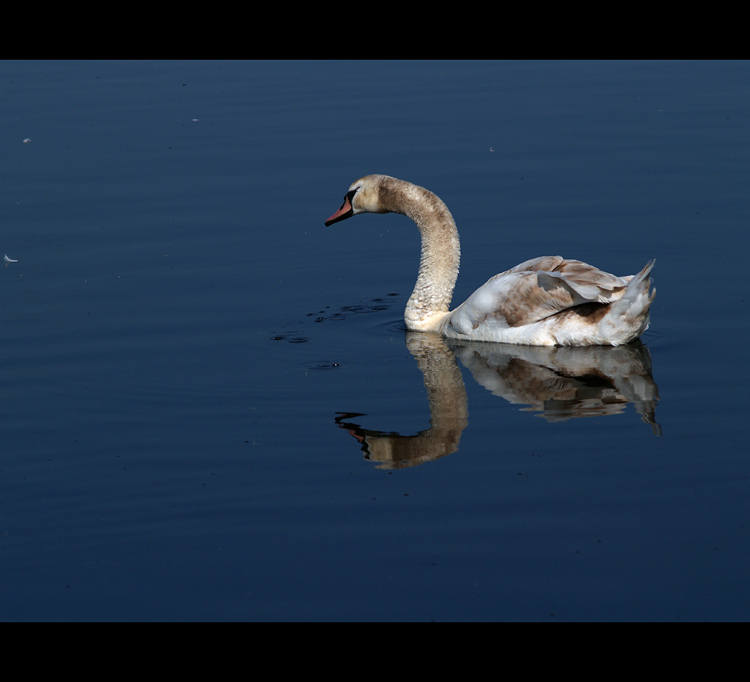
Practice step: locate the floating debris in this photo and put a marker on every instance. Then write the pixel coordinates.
(10, 260)
(26, 140)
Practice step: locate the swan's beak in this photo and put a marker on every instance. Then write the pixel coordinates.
(346, 211)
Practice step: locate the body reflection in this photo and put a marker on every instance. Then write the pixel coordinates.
(558, 383)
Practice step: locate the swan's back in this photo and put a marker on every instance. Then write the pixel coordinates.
(552, 301)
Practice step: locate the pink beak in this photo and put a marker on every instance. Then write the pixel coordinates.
(344, 212)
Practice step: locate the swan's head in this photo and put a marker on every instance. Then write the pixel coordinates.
(365, 195)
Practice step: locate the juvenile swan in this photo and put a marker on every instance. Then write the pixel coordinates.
(545, 301)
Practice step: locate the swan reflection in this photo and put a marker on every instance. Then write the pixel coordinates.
(556, 383)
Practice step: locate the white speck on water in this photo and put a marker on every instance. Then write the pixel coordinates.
(10, 260)
(26, 140)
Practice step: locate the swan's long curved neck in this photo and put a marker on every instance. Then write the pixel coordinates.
(430, 301)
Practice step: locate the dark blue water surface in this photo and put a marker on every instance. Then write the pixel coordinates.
(209, 407)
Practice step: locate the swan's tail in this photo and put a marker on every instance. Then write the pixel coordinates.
(628, 317)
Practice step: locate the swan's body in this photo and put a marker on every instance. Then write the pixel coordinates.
(546, 301)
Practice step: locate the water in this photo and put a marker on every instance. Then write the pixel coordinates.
(201, 384)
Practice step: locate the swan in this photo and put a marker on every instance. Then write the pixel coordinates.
(545, 301)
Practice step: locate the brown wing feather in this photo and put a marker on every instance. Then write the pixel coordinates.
(548, 285)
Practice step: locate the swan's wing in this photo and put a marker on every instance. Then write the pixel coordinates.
(534, 290)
